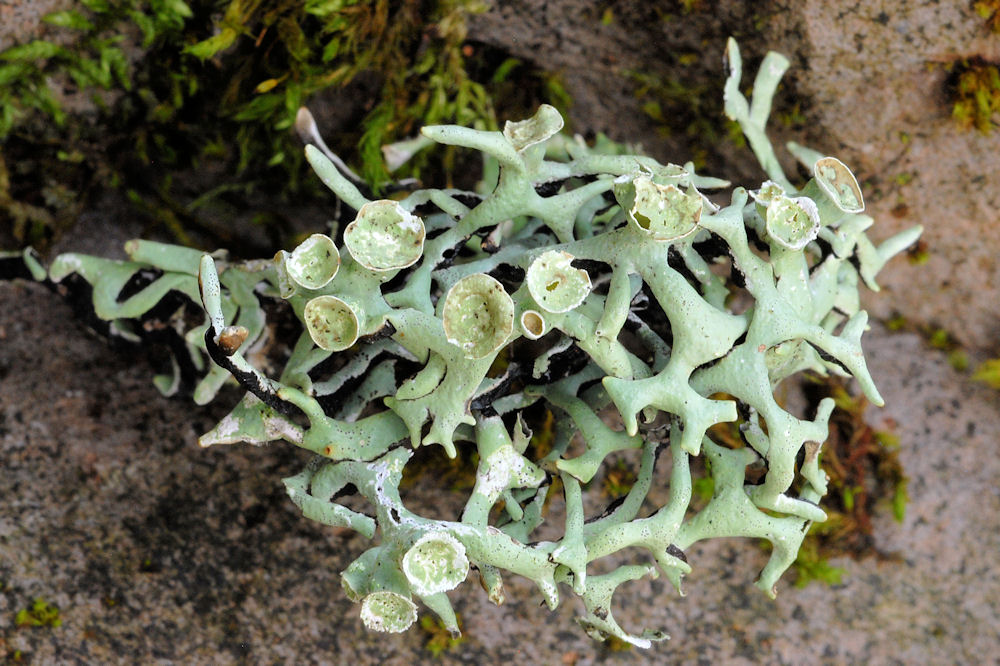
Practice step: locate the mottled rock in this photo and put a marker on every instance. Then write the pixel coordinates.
(156, 550)
(21, 20)
(870, 80)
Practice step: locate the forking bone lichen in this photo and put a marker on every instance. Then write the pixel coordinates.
(602, 278)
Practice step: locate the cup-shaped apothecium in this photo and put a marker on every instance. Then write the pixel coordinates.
(388, 611)
(385, 237)
(478, 315)
(554, 284)
(533, 324)
(332, 323)
(792, 222)
(839, 184)
(314, 262)
(665, 212)
(542, 126)
(311, 265)
(435, 563)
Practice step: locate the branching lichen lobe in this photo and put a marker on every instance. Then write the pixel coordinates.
(626, 306)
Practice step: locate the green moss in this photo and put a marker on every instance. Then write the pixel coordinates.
(988, 373)
(975, 94)
(919, 254)
(958, 359)
(810, 566)
(439, 639)
(903, 179)
(865, 476)
(940, 339)
(618, 480)
(896, 322)
(215, 91)
(989, 11)
(40, 614)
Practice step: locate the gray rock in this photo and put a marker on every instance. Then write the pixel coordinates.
(157, 551)
(21, 21)
(870, 79)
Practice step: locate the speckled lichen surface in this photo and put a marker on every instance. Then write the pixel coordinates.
(578, 278)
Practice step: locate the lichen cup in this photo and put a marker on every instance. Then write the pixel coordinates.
(314, 262)
(533, 324)
(388, 612)
(835, 190)
(542, 126)
(664, 212)
(311, 265)
(792, 222)
(554, 284)
(331, 322)
(478, 315)
(435, 563)
(385, 237)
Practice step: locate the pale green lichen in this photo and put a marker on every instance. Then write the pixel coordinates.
(554, 284)
(621, 272)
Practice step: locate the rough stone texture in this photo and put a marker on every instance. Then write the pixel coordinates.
(870, 79)
(875, 77)
(595, 61)
(20, 21)
(158, 551)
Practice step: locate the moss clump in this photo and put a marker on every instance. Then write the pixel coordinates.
(975, 94)
(988, 373)
(205, 89)
(439, 639)
(618, 480)
(39, 614)
(865, 473)
(989, 11)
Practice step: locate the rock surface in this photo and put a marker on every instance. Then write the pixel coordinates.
(157, 551)
(870, 83)
(20, 21)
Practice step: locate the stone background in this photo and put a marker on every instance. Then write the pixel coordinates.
(157, 551)
(870, 79)
(869, 82)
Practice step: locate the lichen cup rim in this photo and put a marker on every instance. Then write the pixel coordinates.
(397, 615)
(304, 257)
(533, 324)
(328, 339)
(435, 563)
(832, 176)
(555, 284)
(464, 329)
(384, 236)
(665, 212)
(778, 222)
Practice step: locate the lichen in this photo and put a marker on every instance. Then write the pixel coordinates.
(576, 281)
